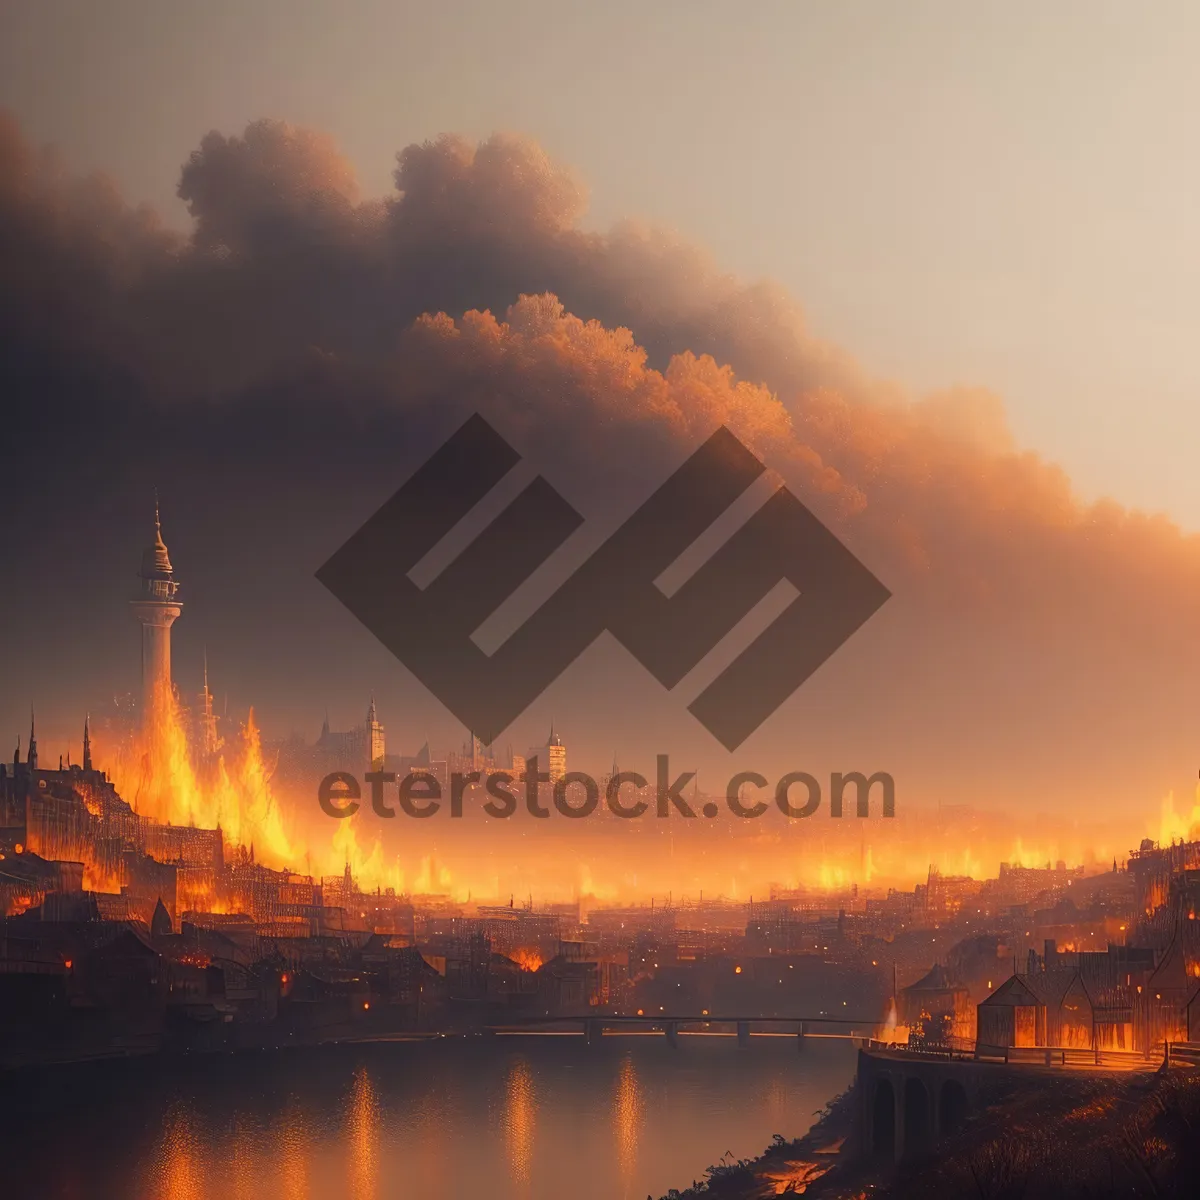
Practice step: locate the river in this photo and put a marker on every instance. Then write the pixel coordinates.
(528, 1118)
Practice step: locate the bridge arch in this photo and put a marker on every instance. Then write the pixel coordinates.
(952, 1108)
(883, 1121)
(918, 1122)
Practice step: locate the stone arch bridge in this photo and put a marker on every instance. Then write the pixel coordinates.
(910, 1103)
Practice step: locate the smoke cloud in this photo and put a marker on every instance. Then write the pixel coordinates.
(282, 366)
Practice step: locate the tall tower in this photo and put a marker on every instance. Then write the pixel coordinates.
(156, 608)
(556, 756)
(33, 757)
(375, 742)
(87, 742)
(551, 756)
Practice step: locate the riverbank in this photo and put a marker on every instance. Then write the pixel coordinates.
(1058, 1137)
(786, 1167)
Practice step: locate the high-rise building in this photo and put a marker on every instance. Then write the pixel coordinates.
(552, 757)
(156, 607)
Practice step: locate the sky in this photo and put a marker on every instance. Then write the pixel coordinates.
(931, 263)
(989, 194)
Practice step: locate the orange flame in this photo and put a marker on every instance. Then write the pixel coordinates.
(1175, 826)
(155, 771)
(526, 959)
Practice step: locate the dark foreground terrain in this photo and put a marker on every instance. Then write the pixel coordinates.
(1062, 1137)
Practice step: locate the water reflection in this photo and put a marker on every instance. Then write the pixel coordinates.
(244, 1166)
(522, 1119)
(292, 1172)
(520, 1116)
(776, 1102)
(627, 1119)
(362, 1138)
(180, 1173)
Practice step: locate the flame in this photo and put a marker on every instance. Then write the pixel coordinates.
(527, 959)
(831, 877)
(1019, 856)
(198, 895)
(1173, 826)
(891, 1031)
(155, 770)
(97, 879)
(367, 868)
(433, 878)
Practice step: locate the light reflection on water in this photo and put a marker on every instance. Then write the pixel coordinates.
(510, 1118)
(362, 1138)
(520, 1117)
(627, 1118)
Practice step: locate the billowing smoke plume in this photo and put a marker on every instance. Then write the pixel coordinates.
(285, 364)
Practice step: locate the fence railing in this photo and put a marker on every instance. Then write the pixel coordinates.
(1172, 1054)
(1183, 1054)
(1065, 1056)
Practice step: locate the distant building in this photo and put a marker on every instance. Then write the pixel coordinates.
(208, 741)
(552, 757)
(1089, 1000)
(356, 751)
(937, 1009)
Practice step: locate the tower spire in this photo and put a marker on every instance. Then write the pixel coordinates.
(156, 606)
(32, 757)
(87, 742)
(209, 741)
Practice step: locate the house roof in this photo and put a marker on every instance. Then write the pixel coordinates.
(130, 944)
(937, 980)
(1172, 971)
(1045, 989)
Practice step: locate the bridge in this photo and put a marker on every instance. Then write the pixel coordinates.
(911, 1100)
(592, 1027)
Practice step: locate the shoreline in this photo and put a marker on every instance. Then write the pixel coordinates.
(785, 1167)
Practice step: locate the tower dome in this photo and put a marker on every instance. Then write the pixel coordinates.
(156, 562)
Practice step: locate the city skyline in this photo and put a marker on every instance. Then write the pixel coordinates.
(280, 362)
(615, 586)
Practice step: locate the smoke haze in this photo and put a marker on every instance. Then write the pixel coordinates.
(277, 373)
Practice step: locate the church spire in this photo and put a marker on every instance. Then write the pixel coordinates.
(207, 719)
(32, 757)
(87, 742)
(375, 741)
